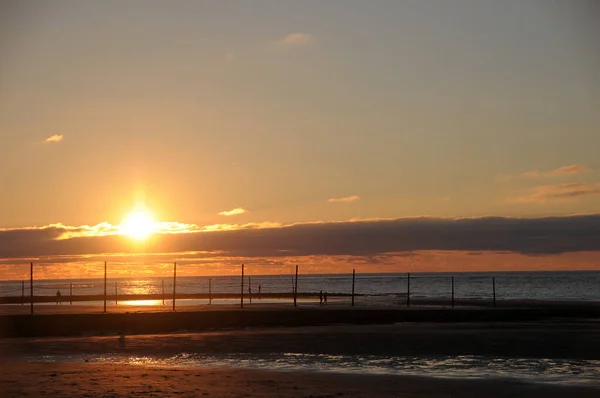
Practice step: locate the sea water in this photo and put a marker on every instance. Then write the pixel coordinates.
(376, 288)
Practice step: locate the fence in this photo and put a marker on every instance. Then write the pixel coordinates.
(400, 290)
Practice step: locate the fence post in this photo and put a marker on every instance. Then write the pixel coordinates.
(209, 291)
(31, 287)
(22, 292)
(242, 289)
(70, 293)
(105, 286)
(408, 290)
(116, 302)
(250, 289)
(174, 283)
(163, 291)
(296, 287)
(452, 291)
(353, 277)
(494, 289)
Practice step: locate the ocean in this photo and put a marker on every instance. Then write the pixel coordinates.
(369, 288)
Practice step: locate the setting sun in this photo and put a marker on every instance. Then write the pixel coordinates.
(138, 224)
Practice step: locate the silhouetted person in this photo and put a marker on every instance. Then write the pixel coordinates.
(58, 295)
(321, 297)
(325, 298)
(259, 288)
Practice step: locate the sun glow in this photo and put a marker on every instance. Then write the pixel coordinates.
(138, 224)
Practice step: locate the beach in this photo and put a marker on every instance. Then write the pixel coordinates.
(93, 380)
(284, 362)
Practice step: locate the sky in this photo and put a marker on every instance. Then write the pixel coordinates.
(268, 118)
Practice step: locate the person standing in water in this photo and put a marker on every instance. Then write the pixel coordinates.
(58, 296)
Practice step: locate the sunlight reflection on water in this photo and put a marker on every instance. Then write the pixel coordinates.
(141, 302)
(563, 371)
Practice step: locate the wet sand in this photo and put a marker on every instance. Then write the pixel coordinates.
(556, 339)
(72, 321)
(21, 379)
(542, 334)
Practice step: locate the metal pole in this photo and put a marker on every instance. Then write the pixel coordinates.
(242, 289)
(250, 289)
(163, 291)
(494, 289)
(70, 293)
(408, 291)
(174, 283)
(22, 292)
(116, 293)
(353, 278)
(209, 291)
(296, 287)
(31, 287)
(105, 286)
(452, 291)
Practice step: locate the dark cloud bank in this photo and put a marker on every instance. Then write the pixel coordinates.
(527, 236)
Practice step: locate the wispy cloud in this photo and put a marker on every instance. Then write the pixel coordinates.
(107, 229)
(234, 212)
(347, 199)
(234, 227)
(561, 171)
(572, 169)
(295, 40)
(55, 138)
(572, 190)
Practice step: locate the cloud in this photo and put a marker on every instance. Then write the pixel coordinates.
(232, 227)
(572, 190)
(561, 171)
(547, 235)
(295, 40)
(104, 229)
(234, 212)
(55, 138)
(347, 199)
(572, 169)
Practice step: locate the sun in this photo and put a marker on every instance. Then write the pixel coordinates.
(138, 224)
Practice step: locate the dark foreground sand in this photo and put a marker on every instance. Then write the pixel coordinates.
(22, 379)
(19, 378)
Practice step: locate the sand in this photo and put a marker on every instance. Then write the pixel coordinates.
(21, 379)
(574, 340)
(71, 322)
(546, 336)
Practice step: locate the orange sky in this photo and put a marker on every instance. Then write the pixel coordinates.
(234, 127)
